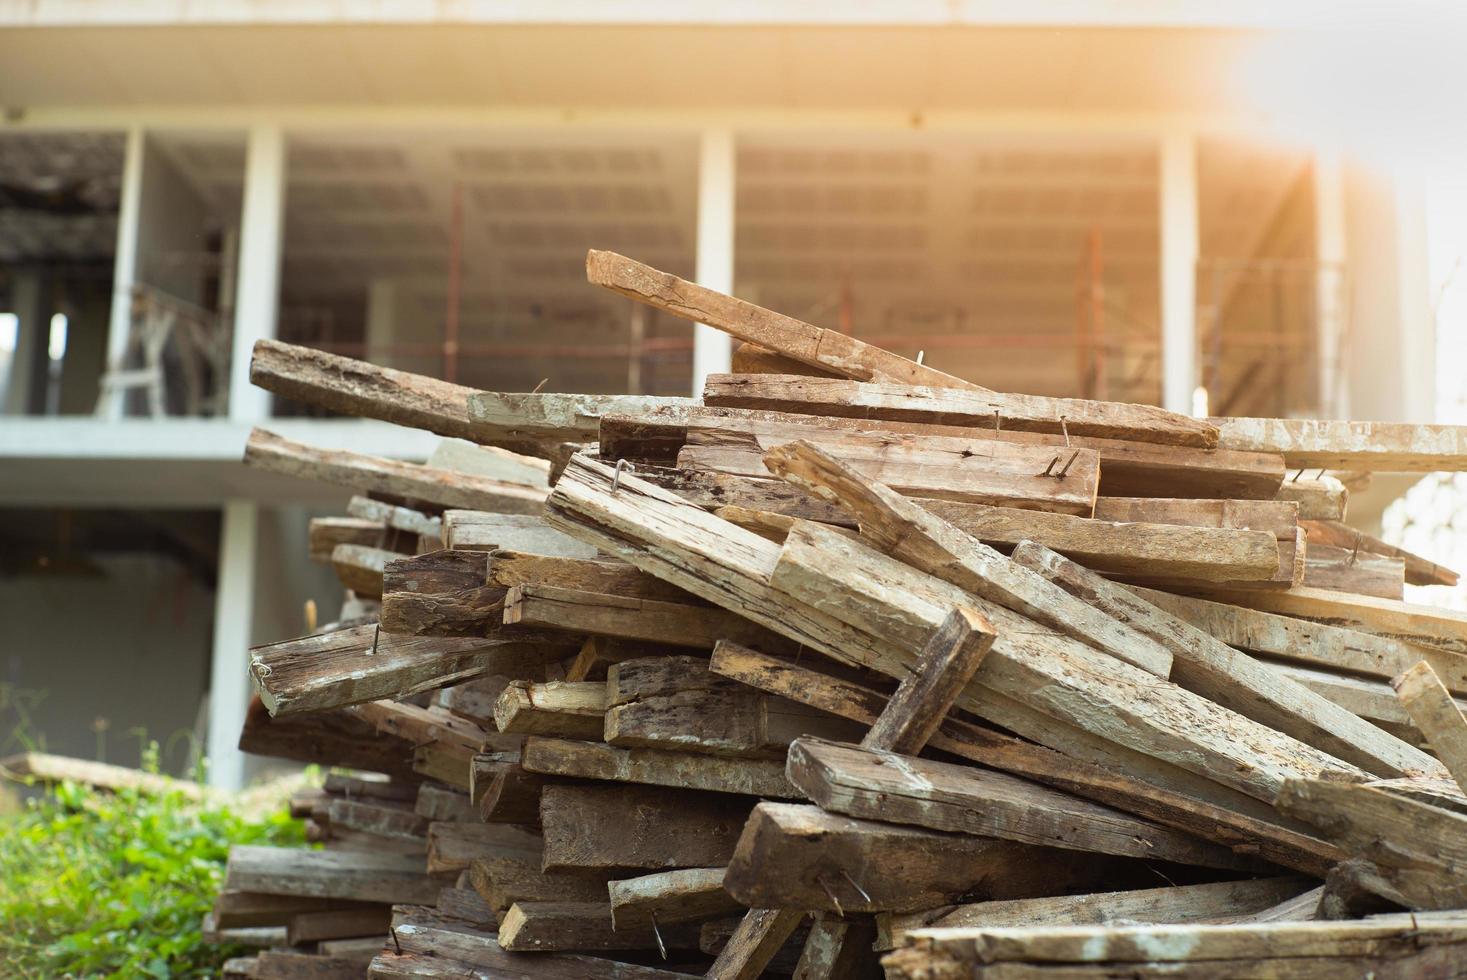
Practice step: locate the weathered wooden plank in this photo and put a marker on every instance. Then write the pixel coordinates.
(534, 927)
(1419, 571)
(1231, 678)
(981, 471)
(337, 737)
(879, 785)
(776, 332)
(325, 533)
(359, 568)
(554, 417)
(503, 879)
(793, 856)
(45, 767)
(1359, 573)
(683, 895)
(375, 474)
(364, 876)
(1053, 674)
(906, 402)
(1309, 643)
(1437, 717)
(1289, 950)
(677, 703)
(477, 530)
(283, 965)
(725, 564)
(945, 667)
(753, 944)
(361, 663)
(1320, 498)
(921, 538)
(1279, 518)
(422, 726)
(1175, 904)
(1389, 447)
(627, 617)
(307, 927)
(753, 359)
(381, 818)
(462, 948)
(395, 516)
(839, 948)
(440, 803)
(1417, 849)
(453, 844)
(503, 790)
(657, 767)
(1132, 469)
(1412, 623)
(562, 708)
(610, 827)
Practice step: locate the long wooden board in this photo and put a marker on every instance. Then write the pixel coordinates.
(1391, 447)
(957, 406)
(374, 474)
(782, 334)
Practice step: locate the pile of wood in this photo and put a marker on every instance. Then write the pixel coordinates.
(851, 665)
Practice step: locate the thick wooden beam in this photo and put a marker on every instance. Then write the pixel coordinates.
(758, 937)
(1210, 902)
(657, 767)
(684, 895)
(877, 785)
(1437, 717)
(1309, 643)
(1245, 834)
(753, 359)
(1132, 469)
(325, 533)
(362, 663)
(631, 618)
(537, 927)
(560, 708)
(604, 827)
(1419, 571)
(946, 665)
(956, 406)
(1390, 447)
(776, 332)
(1235, 680)
(553, 417)
(980, 472)
(922, 539)
(1320, 498)
(374, 474)
(363, 876)
(477, 530)
(1357, 573)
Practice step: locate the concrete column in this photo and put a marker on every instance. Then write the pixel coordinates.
(234, 604)
(124, 264)
(1179, 248)
(381, 331)
(1329, 253)
(258, 288)
(25, 392)
(712, 349)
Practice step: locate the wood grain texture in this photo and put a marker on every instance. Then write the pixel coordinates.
(1437, 716)
(657, 767)
(1418, 570)
(776, 332)
(363, 876)
(605, 827)
(374, 474)
(957, 406)
(944, 668)
(1390, 447)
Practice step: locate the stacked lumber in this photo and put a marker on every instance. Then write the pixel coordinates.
(848, 666)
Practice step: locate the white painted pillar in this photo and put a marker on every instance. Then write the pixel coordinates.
(234, 615)
(1329, 304)
(124, 263)
(1179, 246)
(258, 287)
(713, 349)
(1416, 303)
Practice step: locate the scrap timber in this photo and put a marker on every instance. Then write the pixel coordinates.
(853, 668)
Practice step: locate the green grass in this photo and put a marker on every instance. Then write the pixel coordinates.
(97, 884)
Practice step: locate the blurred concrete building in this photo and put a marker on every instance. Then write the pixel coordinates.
(1096, 202)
